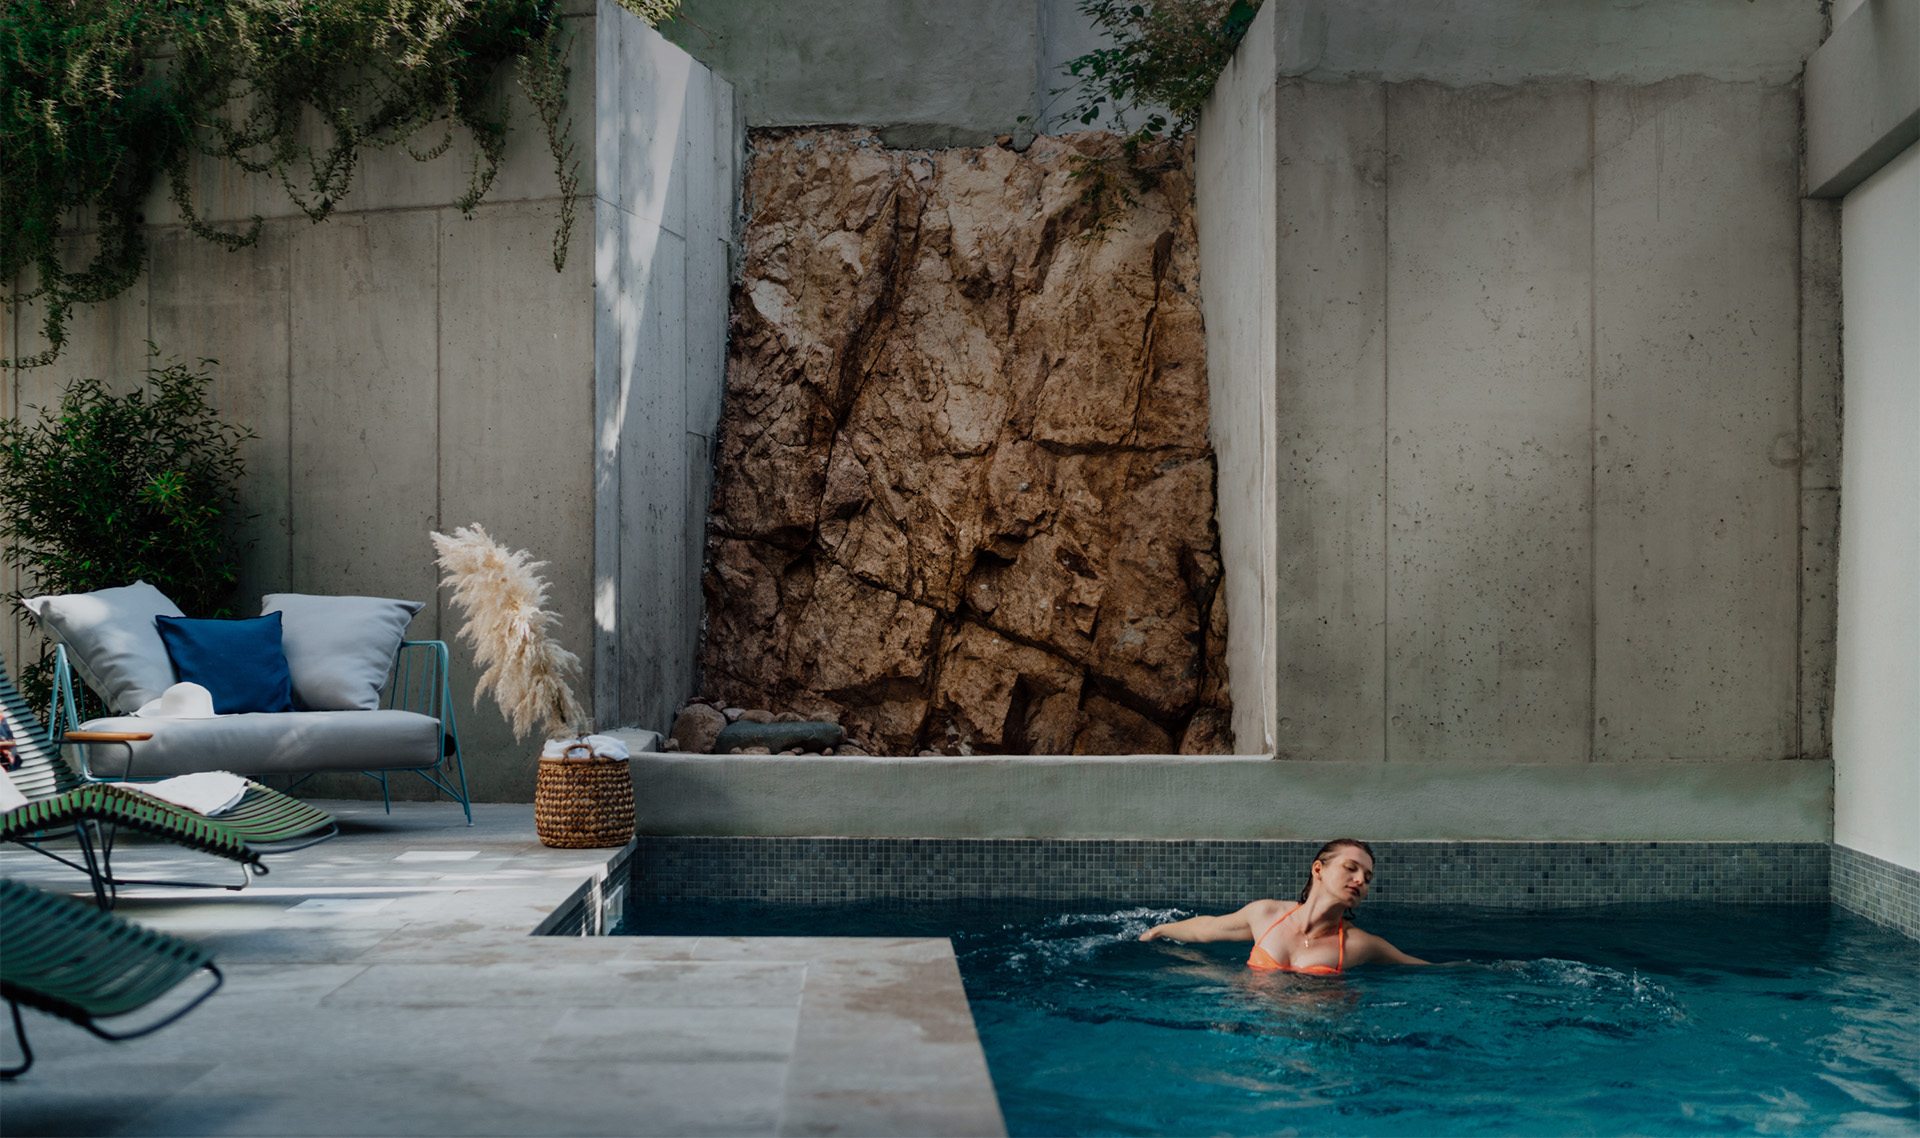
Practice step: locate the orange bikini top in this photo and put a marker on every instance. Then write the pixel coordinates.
(1263, 960)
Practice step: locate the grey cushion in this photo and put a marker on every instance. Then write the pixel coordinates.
(111, 639)
(339, 649)
(268, 742)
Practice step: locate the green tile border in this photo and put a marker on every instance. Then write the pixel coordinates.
(1884, 893)
(1215, 874)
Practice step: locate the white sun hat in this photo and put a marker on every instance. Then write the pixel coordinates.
(184, 700)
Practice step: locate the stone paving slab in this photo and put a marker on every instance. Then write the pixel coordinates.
(384, 983)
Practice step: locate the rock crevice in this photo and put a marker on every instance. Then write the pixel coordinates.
(965, 496)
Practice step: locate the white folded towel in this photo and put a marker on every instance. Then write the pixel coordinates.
(604, 747)
(10, 796)
(209, 792)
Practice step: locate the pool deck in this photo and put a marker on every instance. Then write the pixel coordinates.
(385, 983)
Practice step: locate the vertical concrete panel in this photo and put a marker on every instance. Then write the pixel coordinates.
(1819, 469)
(697, 458)
(610, 334)
(710, 175)
(1696, 399)
(607, 121)
(706, 331)
(669, 166)
(655, 672)
(232, 307)
(516, 446)
(1819, 614)
(1488, 305)
(1234, 191)
(655, 78)
(609, 417)
(364, 407)
(693, 164)
(1330, 410)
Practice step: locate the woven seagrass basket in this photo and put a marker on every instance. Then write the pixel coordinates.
(583, 802)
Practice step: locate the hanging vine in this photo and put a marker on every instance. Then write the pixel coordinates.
(99, 99)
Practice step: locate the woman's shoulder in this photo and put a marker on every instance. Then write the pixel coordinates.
(1265, 910)
(1363, 946)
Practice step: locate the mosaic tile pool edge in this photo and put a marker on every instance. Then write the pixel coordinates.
(1219, 874)
(598, 904)
(1884, 893)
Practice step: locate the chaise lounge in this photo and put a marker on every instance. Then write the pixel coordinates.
(87, 966)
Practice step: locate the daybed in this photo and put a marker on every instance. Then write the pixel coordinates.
(358, 696)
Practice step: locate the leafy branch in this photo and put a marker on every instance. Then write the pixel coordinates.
(1164, 58)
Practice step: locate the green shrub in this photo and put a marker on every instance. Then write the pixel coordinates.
(108, 489)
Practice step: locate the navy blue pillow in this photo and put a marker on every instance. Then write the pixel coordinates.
(239, 661)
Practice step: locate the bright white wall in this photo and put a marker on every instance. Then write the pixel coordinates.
(1876, 728)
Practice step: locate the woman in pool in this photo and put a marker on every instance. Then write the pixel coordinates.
(1311, 935)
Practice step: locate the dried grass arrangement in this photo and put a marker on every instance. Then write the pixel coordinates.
(509, 626)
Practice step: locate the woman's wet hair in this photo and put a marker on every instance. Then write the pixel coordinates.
(1326, 852)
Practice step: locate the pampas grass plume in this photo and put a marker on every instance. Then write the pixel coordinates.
(508, 625)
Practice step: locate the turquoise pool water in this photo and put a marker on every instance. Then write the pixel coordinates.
(1640, 1020)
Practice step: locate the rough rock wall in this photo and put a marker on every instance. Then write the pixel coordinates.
(965, 498)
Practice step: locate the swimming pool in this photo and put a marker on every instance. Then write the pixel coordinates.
(1695, 1019)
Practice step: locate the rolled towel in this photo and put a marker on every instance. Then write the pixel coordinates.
(602, 746)
(10, 796)
(209, 792)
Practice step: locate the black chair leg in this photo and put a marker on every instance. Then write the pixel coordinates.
(26, 1052)
(99, 869)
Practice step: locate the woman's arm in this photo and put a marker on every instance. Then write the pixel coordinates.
(1363, 947)
(1233, 926)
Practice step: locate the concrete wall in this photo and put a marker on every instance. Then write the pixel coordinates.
(1228, 798)
(1235, 214)
(1466, 42)
(406, 368)
(670, 154)
(926, 73)
(1863, 93)
(1552, 372)
(1877, 711)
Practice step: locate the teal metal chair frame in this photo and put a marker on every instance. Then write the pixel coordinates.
(420, 682)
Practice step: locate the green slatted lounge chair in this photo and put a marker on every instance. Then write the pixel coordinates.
(86, 966)
(82, 812)
(265, 822)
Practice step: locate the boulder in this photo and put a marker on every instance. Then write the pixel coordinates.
(696, 728)
(964, 496)
(777, 737)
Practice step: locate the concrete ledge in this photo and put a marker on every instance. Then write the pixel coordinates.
(1863, 96)
(1229, 798)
